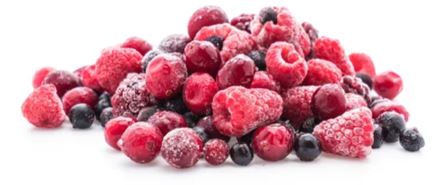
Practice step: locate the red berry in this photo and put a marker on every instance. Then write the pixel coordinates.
(43, 108)
(88, 77)
(237, 110)
(202, 56)
(350, 134)
(322, 72)
(205, 16)
(198, 92)
(329, 101)
(167, 121)
(79, 95)
(138, 44)
(174, 43)
(297, 104)
(272, 142)
(216, 151)
(165, 76)
(362, 63)
(207, 125)
(141, 142)
(182, 148)
(285, 64)
(114, 130)
(62, 80)
(352, 84)
(331, 50)
(40, 75)
(354, 101)
(131, 96)
(312, 32)
(388, 106)
(242, 22)
(388, 84)
(114, 64)
(237, 71)
(262, 79)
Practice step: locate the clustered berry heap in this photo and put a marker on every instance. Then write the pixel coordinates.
(261, 84)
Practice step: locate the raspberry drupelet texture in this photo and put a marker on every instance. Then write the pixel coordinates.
(138, 44)
(114, 64)
(362, 63)
(297, 104)
(216, 151)
(322, 72)
(352, 84)
(174, 43)
(388, 84)
(198, 92)
(243, 21)
(182, 148)
(389, 106)
(272, 142)
(141, 142)
(79, 95)
(237, 71)
(89, 79)
(114, 130)
(237, 110)
(202, 56)
(167, 121)
(331, 50)
(62, 80)
(328, 101)
(354, 101)
(131, 96)
(165, 76)
(350, 134)
(40, 75)
(206, 16)
(43, 108)
(285, 64)
(262, 79)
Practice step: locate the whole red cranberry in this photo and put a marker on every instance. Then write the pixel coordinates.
(167, 121)
(388, 84)
(114, 130)
(216, 151)
(205, 16)
(272, 142)
(202, 56)
(182, 148)
(237, 71)
(62, 80)
(198, 93)
(329, 101)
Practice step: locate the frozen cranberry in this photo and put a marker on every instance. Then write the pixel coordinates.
(167, 121)
(114, 130)
(272, 142)
(138, 44)
(174, 43)
(141, 142)
(205, 16)
(79, 95)
(62, 80)
(389, 106)
(388, 84)
(243, 21)
(262, 79)
(237, 71)
(329, 101)
(40, 75)
(182, 148)
(88, 78)
(207, 125)
(198, 92)
(362, 63)
(130, 96)
(202, 56)
(165, 76)
(216, 151)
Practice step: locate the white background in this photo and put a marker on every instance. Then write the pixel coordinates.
(399, 35)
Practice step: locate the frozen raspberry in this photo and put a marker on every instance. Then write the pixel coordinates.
(165, 76)
(322, 72)
(114, 64)
(40, 75)
(242, 22)
(202, 56)
(105, 116)
(62, 80)
(350, 134)
(205, 16)
(286, 65)
(182, 148)
(167, 121)
(388, 84)
(198, 92)
(237, 71)
(43, 108)
(148, 57)
(366, 79)
(79, 95)
(272, 142)
(88, 78)
(297, 104)
(207, 125)
(328, 101)
(216, 151)
(331, 50)
(138, 44)
(262, 79)
(388, 106)
(354, 101)
(234, 40)
(354, 85)
(237, 110)
(114, 130)
(141, 142)
(311, 31)
(174, 43)
(362, 63)
(131, 96)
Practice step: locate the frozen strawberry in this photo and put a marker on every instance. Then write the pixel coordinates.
(237, 71)
(262, 79)
(79, 95)
(362, 63)
(131, 96)
(198, 92)
(331, 50)
(138, 44)
(297, 104)
(354, 101)
(322, 72)
(206, 16)
(40, 75)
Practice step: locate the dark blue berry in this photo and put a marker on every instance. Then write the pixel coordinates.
(268, 14)
(101, 105)
(308, 125)
(202, 133)
(307, 147)
(376, 100)
(241, 154)
(175, 105)
(216, 41)
(411, 140)
(248, 138)
(191, 119)
(105, 95)
(147, 112)
(259, 58)
(377, 136)
(81, 116)
(106, 115)
(365, 79)
(148, 57)
(393, 125)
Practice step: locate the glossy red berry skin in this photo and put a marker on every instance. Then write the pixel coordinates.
(216, 151)
(202, 56)
(237, 71)
(167, 121)
(62, 80)
(79, 95)
(329, 101)
(40, 75)
(114, 130)
(362, 63)
(388, 84)
(182, 148)
(272, 142)
(206, 16)
(198, 92)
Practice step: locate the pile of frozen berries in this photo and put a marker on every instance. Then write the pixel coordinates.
(261, 84)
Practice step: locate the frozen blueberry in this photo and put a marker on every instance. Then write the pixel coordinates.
(101, 105)
(366, 79)
(241, 154)
(393, 124)
(216, 41)
(191, 119)
(307, 147)
(411, 140)
(377, 137)
(147, 112)
(105, 116)
(175, 105)
(81, 116)
(259, 58)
